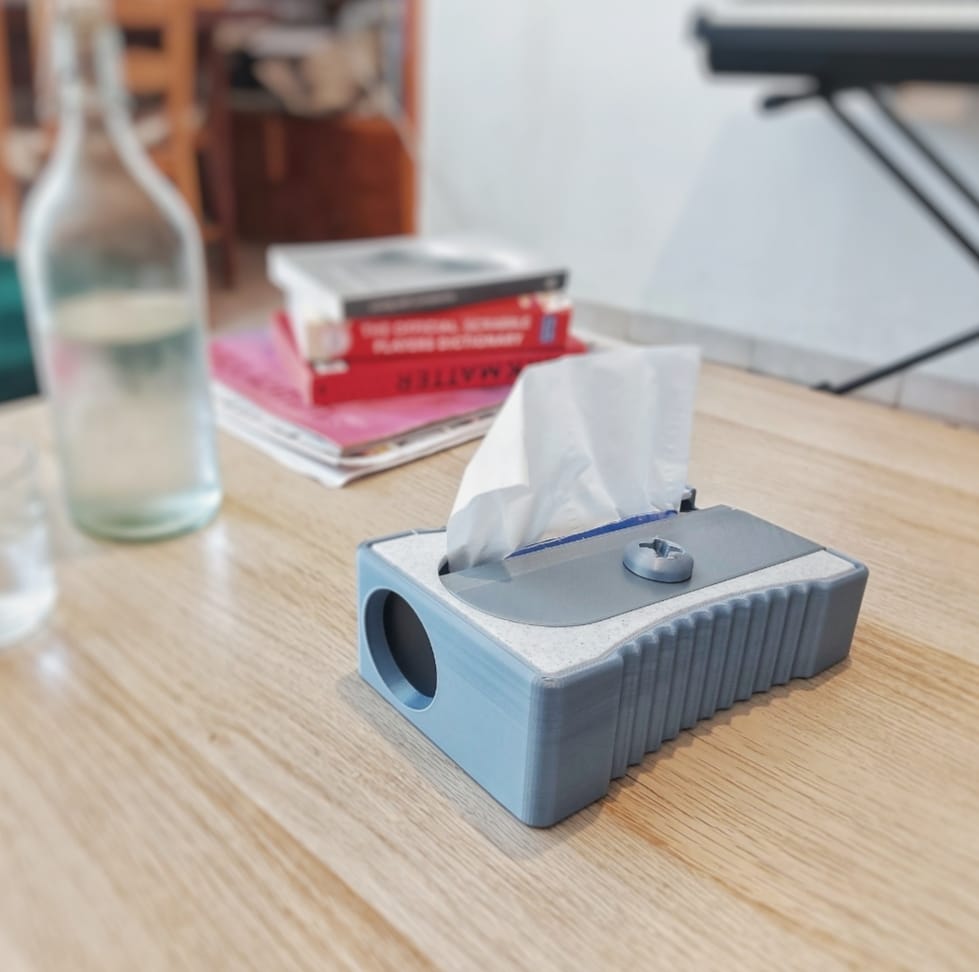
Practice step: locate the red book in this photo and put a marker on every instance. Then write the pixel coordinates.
(342, 381)
(525, 322)
(247, 365)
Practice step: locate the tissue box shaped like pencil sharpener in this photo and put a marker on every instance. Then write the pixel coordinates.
(546, 675)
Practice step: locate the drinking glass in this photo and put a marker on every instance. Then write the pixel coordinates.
(27, 587)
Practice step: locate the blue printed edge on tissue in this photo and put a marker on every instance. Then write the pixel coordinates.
(593, 532)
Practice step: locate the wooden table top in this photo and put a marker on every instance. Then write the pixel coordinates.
(192, 774)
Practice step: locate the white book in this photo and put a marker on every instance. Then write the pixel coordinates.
(334, 282)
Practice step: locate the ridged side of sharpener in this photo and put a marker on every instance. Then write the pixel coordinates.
(704, 662)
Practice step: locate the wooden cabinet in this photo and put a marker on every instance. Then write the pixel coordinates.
(305, 179)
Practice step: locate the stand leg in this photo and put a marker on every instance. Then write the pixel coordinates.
(879, 153)
(926, 150)
(901, 364)
(905, 180)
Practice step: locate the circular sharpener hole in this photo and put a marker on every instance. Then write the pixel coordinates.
(401, 649)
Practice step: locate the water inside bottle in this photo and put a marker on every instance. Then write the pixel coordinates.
(134, 414)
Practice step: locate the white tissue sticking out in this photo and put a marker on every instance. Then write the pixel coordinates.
(581, 442)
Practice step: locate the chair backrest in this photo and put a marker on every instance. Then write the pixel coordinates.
(9, 190)
(167, 71)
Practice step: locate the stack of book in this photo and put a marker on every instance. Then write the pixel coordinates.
(335, 444)
(408, 315)
(387, 350)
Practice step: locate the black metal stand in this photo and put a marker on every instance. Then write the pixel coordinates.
(829, 95)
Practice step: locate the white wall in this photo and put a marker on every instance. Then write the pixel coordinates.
(576, 127)
(588, 129)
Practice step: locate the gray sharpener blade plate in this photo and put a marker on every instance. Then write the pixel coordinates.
(586, 581)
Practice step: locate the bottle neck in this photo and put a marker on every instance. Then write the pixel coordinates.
(88, 67)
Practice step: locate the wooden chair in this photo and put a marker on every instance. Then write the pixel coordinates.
(167, 73)
(178, 134)
(182, 133)
(9, 190)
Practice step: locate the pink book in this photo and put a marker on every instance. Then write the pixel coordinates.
(247, 364)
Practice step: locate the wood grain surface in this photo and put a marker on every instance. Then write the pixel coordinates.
(192, 775)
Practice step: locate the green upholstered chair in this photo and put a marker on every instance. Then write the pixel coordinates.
(16, 365)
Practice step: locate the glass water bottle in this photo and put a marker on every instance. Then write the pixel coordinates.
(113, 267)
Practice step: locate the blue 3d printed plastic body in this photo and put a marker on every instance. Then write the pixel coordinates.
(546, 675)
